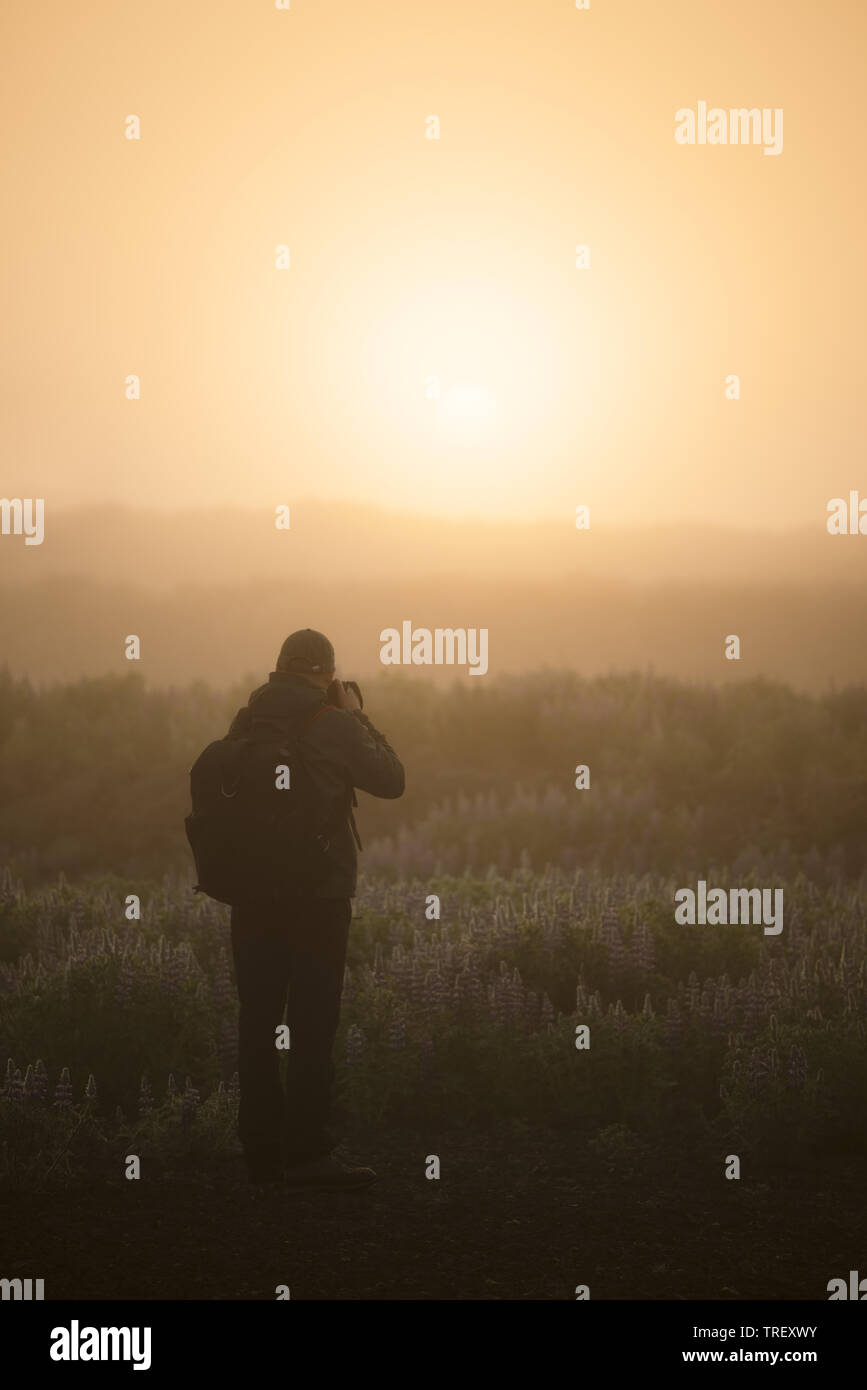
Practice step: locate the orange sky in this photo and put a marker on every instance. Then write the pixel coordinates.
(454, 257)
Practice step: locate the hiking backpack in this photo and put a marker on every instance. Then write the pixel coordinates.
(254, 829)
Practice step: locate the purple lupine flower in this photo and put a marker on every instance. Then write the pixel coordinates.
(516, 994)
(797, 1068)
(7, 887)
(228, 1043)
(378, 977)
(173, 973)
(643, 949)
(416, 983)
(125, 977)
(14, 1088)
(223, 991)
(530, 1013)
(720, 1017)
(693, 992)
(145, 1097)
(759, 1069)
(63, 1090)
(496, 1004)
(619, 1016)
(40, 1080)
(397, 1032)
(474, 981)
(673, 1025)
(354, 1044)
(90, 1089)
(436, 988)
(616, 949)
(705, 1006)
(189, 1104)
(460, 988)
(752, 1007)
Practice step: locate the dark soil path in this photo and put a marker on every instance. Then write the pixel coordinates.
(510, 1218)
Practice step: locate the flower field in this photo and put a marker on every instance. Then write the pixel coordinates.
(120, 1035)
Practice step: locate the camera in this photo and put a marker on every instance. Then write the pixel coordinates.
(347, 685)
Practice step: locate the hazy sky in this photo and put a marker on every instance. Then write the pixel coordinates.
(453, 257)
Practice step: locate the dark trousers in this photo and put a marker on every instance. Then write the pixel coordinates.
(296, 952)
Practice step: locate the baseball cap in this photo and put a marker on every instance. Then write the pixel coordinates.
(306, 650)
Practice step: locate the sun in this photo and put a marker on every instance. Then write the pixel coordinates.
(467, 410)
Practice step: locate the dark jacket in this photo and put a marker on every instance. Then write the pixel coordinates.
(341, 749)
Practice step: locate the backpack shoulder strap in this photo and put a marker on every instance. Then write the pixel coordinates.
(317, 714)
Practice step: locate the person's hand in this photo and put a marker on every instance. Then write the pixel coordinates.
(338, 695)
(350, 699)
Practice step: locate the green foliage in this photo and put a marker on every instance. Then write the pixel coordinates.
(683, 778)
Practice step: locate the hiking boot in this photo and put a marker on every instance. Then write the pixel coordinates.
(328, 1171)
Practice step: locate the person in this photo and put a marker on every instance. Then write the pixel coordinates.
(298, 948)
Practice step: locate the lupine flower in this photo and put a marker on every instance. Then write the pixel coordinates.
(379, 975)
(145, 1097)
(797, 1068)
(223, 991)
(228, 1043)
(63, 1090)
(173, 973)
(125, 978)
(619, 1016)
(354, 1044)
(189, 1104)
(90, 1089)
(397, 1032)
(673, 1025)
(14, 1089)
(39, 1084)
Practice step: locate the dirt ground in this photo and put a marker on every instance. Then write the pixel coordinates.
(511, 1217)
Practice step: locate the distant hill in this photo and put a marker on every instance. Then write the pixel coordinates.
(154, 549)
(212, 593)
